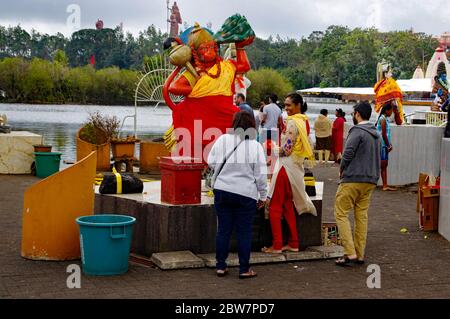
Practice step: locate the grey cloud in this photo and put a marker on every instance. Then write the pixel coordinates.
(288, 18)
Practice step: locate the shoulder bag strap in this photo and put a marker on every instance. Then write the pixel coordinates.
(226, 159)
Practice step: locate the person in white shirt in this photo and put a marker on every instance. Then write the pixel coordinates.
(240, 187)
(270, 118)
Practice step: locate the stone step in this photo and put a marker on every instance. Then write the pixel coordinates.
(177, 260)
(334, 251)
(186, 259)
(233, 260)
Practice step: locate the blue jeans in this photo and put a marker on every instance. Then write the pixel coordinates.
(238, 211)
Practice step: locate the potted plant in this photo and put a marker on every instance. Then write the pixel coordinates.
(150, 153)
(96, 134)
(42, 147)
(123, 148)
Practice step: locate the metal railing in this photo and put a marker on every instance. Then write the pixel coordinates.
(436, 118)
(433, 118)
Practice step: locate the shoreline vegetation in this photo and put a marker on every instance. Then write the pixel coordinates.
(39, 68)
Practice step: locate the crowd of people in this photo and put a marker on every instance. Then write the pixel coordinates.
(240, 163)
(271, 119)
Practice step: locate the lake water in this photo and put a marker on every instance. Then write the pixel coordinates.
(58, 124)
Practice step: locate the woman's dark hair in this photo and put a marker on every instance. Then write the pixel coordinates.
(386, 107)
(273, 98)
(240, 95)
(244, 125)
(340, 113)
(261, 106)
(324, 112)
(298, 99)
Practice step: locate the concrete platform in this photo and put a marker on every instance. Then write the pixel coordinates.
(328, 251)
(304, 255)
(162, 227)
(186, 259)
(233, 260)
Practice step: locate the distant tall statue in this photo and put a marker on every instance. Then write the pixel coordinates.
(99, 24)
(175, 20)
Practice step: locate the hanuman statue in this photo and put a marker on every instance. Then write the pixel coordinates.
(207, 82)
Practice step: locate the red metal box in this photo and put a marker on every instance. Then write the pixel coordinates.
(181, 180)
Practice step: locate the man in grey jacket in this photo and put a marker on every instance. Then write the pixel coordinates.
(359, 171)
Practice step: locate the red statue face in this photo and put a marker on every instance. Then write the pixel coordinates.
(207, 52)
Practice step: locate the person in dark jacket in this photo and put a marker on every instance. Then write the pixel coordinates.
(360, 172)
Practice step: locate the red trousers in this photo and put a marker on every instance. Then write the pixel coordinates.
(281, 204)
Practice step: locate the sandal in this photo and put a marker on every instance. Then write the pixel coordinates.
(270, 250)
(345, 261)
(389, 189)
(222, 272)
(248, 274)
(290, 249)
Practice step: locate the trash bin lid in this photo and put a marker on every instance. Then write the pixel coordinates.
(48, 153)
(181, 163)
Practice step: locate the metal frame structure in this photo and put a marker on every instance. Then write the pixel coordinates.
(150, 85)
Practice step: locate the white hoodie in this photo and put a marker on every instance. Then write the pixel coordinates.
(245, 172)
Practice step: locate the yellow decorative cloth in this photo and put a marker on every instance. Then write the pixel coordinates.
(302, 148)
(207, 86)
(387, 90)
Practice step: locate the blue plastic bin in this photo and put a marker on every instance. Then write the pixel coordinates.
(105, 242)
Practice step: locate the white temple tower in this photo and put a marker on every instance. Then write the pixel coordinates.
(438, 56)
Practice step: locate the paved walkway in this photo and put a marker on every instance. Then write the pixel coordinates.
(411, 266)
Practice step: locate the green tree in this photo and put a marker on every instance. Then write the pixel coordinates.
(264, 82)
(100, 43)
(405, 50)
(359, 57)
(17, 42)
(13, 72)
(61, 58)
(80, 84)
(38, 84)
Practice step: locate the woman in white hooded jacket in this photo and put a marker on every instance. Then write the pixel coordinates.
(240, 186)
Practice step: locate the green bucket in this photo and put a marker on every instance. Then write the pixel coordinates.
(47, 163)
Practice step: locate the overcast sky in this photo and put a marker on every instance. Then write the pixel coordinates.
(288, 18)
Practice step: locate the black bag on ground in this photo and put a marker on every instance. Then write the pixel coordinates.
(130, 184)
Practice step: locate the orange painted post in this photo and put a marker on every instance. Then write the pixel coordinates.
(103, 153)
(49, 230)
(149, 155)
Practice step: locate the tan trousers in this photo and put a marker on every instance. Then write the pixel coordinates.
(353, 196)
